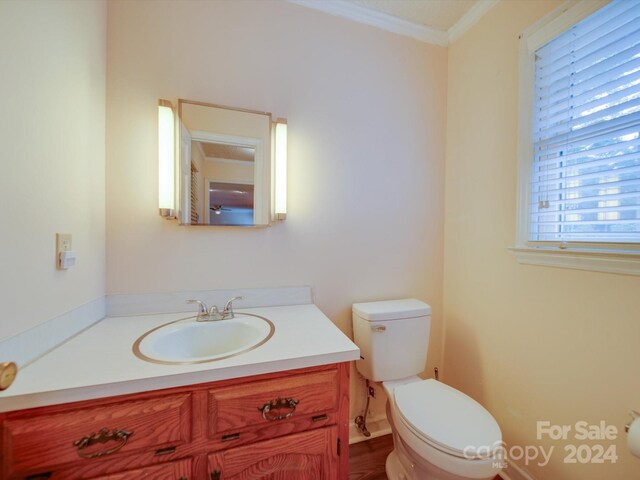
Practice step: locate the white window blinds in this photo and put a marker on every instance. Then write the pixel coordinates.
(585, 184)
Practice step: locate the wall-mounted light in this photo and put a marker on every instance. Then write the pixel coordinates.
(280, 170)
(166, 159)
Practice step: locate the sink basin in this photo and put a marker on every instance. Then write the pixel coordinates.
(189, 341)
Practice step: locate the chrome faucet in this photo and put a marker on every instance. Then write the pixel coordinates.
(228, 307)
(214, 314)
(203, 313)
(210, 314)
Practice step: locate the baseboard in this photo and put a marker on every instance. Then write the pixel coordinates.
(514, 472)
(377, 427)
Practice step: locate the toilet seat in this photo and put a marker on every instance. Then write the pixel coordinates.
(447, 419)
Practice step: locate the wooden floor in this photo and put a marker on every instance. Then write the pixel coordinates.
(366, 459)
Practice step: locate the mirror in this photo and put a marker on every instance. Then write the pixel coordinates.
(224, 165)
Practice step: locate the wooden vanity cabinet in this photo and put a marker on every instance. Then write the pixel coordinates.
(287, 425)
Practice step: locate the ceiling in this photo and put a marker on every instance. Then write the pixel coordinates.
(439, 22)
(228, 152)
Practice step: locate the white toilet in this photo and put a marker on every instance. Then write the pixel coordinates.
(439, 433)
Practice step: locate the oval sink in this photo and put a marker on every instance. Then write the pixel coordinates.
(189, 341)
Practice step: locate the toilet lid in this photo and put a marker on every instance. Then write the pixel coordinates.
(448, 419)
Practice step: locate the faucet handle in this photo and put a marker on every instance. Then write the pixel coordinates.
(202, 308)
(228, 307)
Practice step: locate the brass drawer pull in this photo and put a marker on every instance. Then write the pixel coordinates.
(231, 436)
(277, 404)
(103, 436)
(319, 418)
(39, 476)
(165, 451)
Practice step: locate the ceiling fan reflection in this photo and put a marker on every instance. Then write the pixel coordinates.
(218, 209)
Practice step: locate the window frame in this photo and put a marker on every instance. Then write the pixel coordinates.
(602, 257)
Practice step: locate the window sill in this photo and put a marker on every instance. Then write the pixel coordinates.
(623, 262)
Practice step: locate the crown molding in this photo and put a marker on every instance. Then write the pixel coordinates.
(357, 13)
(469, 19)
(360, 14)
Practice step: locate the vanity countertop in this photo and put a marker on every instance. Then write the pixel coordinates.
(99, 362)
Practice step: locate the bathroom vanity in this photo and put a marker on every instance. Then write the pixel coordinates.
(278, 411)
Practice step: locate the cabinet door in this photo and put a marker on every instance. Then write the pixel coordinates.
(309, 455)
(180, 470)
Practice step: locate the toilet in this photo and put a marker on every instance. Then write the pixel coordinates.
(439, 433)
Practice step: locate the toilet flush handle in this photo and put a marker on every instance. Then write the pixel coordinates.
(378, 328)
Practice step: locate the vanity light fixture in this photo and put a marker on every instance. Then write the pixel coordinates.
(166, 159)
(280, 169)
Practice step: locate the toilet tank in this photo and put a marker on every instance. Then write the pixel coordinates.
(393, 337)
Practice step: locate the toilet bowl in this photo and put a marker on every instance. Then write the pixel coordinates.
(439, 433)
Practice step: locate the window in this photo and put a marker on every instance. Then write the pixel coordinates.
(580, 145)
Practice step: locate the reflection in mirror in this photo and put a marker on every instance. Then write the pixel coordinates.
(230, 204)
(224, 165)
(222, 180)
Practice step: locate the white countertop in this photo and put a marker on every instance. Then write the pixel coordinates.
(99, 362)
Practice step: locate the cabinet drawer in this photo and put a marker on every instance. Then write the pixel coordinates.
(240, 406)
(40, 443)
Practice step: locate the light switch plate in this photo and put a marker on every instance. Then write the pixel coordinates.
(63, 244)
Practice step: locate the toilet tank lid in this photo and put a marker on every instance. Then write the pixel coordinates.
(391, 309)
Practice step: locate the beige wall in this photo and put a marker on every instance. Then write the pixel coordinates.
(531, 343)
(366, 112)
(52, 132)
